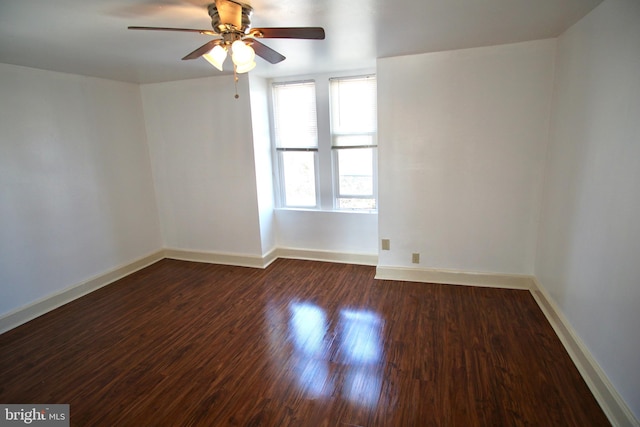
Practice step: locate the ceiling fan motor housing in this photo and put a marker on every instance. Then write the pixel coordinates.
(222, 28)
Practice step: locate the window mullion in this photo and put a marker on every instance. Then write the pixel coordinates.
(325, 181)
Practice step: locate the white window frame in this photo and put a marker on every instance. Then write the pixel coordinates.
(335, 149)
(281, 193)
(279, 153)
(325, 158)
(336, 178)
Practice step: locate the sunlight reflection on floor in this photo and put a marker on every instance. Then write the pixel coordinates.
(346, 361)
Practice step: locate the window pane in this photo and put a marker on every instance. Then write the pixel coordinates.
(299, 178)
(354, 105)
(355, 169)
(295, 123)
(347, 203)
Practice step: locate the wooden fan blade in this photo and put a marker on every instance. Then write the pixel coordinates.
(265, 51)
(202, 49)
(230, 12)
(314, 33)
(187, 30)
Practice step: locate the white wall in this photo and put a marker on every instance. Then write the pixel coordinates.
(326, 230)
(200, 139)
(341, 232)
(589, 243)
(76, 194)
(259, 89)
(462, 140)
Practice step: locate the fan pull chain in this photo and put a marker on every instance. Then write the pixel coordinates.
(235, 80)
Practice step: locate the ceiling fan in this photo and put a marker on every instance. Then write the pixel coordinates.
(231, 22)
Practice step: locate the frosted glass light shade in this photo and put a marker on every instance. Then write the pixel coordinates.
(216, 57)
(246, 67)
(241, 54)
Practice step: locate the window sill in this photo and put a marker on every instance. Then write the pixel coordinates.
(336, 211)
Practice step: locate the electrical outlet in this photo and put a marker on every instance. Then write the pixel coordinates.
(386, 244)
(415, 258)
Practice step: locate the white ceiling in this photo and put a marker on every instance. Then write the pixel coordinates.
(90, 37)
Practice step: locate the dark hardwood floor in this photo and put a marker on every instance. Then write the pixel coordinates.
(299, 344)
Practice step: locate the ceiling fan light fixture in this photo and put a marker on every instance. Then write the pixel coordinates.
(242, 54)
(216, 57)
(235, 37)
(246, 67)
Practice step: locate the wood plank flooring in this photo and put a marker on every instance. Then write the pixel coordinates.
(301, 343)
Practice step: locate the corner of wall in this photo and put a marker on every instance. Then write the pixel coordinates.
(24, 314)
(605, 393)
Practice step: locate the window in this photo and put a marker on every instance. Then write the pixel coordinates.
(353, 133)
(325, 142)
(296, 135)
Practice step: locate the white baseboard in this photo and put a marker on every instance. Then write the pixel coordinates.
(239, 260)
(264, 261)
(327, 256)
(451, 277)
(44, 305)
(29, 312)
(605, 393)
